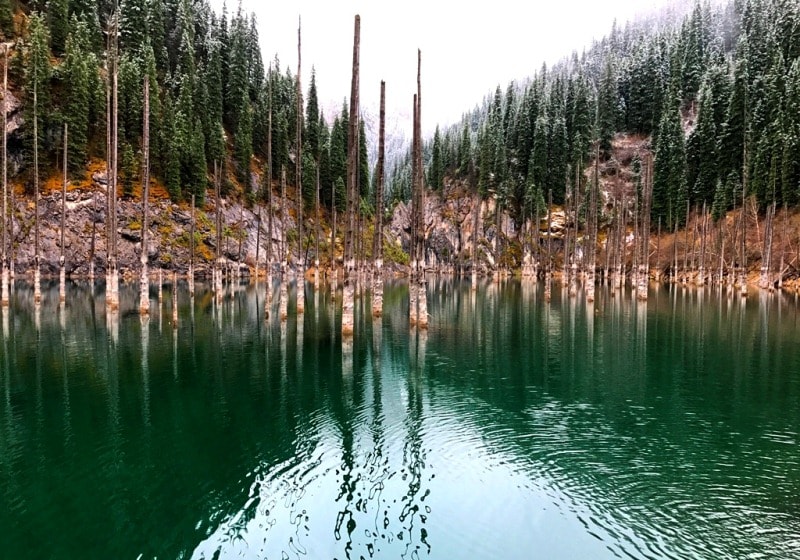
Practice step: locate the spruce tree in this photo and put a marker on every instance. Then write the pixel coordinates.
(6, 20)
(670, 191)
(311, 135)
(58, 21)
(78, 70)
(37, 76)
(436, 170)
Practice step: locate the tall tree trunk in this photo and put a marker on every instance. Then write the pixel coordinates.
(352, 155)
(190, 274)
(377, 241)
(268, 180)
(7, 238)
(301, 254)
(144, 282)
(422, 293)
(352, 183)
(114, 301)
(37, 289)
(62, 276)
(218, 260)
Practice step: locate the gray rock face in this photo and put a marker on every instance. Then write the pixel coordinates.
(85, 236)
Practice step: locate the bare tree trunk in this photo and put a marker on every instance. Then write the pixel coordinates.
(190, 274)
(268, 180)
(37, 288)
(114, 302)
(352, 155)
(422, 293)
(256, 271)
(301, 254)
(62, 275)
(317, 226)
(174, 299)
(701, 272)
(644, 250)
(284, 223)
(784, 243)
(7, 238)
(592, 214)
(766, 253)
(474, 267)
(377, 245)
(548, 275)
(144, 283)
(352, 185)
(218, 260)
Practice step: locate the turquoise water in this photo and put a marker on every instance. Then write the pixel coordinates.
(513, 428)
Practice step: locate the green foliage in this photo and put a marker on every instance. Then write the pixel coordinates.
(670, 191)
(6, 20)
(436, 169)
(79, 73)
(393, 253)
(128, 169)
(58, 21)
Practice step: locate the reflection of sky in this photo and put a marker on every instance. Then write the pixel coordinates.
(467, 492)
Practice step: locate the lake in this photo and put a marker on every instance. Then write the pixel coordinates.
(512, 428)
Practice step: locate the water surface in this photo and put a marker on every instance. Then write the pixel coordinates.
(513, 428)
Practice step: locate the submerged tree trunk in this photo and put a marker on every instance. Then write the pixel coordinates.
(217, 274)
(301, 254)
(377, 245)
(144, 283)
(37, 289)
(62, 275)
(422, 292)
(7, 238)
(352, 182)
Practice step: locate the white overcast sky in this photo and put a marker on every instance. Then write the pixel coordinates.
(467, 48)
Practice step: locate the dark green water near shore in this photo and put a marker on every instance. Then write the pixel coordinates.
(513, 428)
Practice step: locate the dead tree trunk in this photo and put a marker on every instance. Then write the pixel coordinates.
(62, 275)
(352, 184)
(301, 255)
(268, 180)
(144, 283)
(352, 155)
(37, 289)
(190, 274)
(218, 260)
(377, 242)
(114, 300)
(422, 293)
(7, 238)
(548, 273)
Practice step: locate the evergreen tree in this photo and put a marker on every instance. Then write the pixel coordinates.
(703, 175)
(607, 106)
(78, 70)
(312, 133)
(133, 25)
(363, 161)
(436, 171)
(670, 191)
(58, 21)
(37, 77)
(6, 20)
(128, 169)
(170, 155)
(244, 144)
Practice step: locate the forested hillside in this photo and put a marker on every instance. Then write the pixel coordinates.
(212, 97)
(716, 93)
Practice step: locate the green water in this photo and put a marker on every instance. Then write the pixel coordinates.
(512, 429)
